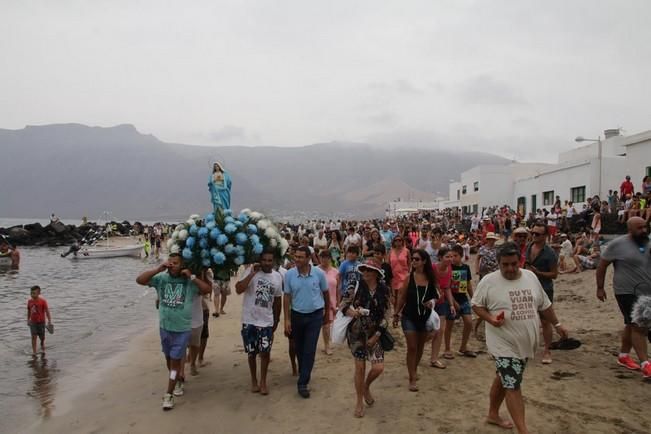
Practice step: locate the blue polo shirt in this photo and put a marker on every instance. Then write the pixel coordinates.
(306, 290)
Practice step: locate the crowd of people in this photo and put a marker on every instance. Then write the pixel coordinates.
(409, 272)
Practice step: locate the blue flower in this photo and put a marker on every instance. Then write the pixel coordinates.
(258, 248)
(254, 239)
(205, 253)
(214, 233)
(187, 253)
(239, 250)
(243, 218)
(210, 217)
(206, 262)
(230, 228)
(219, 258)
(214, 251)
(211, 225)
(229, 249)
(203, 243)
(228, 212)
(229, 220)
(193, 230)
(203, 232)
(241, 238)
(222, 239)
(252, 229)
(239, 260)
(189, 242)
(238, 223)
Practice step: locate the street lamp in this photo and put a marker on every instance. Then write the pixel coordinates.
(580, 139)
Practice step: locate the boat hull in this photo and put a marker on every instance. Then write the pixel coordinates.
(108, 252)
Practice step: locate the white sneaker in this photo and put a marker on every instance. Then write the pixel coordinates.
(178, 389)
(168, 401)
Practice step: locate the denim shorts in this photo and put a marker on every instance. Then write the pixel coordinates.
(464, 306)
(174, 344)
(443, 309)
(409, 325)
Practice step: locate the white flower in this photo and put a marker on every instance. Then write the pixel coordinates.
(189, 222)
(179, 227)
(263, 224)
(284, 245)
(174, 248)
(246, 211)
(170, 243)
(175, 235)
(270, 232)
(195, 217)
(273, 243)
(183, 235)
(256, 215)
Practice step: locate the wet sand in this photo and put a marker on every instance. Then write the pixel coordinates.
(583, 391)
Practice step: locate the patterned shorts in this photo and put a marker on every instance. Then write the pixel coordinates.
(373, 355)
(510, 371)
(257, 339)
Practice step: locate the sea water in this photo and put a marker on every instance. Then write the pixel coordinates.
(96, 308)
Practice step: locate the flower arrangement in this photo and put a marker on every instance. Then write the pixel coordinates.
(222, 242)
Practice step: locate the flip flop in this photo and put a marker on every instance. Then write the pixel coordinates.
(467, 353)
(565, 344)
(437, 364)
(546, 361)
(448, 355)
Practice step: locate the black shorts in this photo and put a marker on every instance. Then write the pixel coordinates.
(550, 294)
(205, 333)
(37, 329)
(626, 302)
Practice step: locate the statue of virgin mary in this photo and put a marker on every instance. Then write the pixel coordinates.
(219, 185)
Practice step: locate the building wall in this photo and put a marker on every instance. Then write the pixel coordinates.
(638, 158)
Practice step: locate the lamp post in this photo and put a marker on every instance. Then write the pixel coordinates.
(580, 139)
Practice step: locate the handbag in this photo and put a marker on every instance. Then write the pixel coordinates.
(339, 328)
(387, 342)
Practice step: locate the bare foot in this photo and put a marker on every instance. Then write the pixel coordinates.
(499, 421)
(413, 387)
(193, 370)
(368, 398)
(264, 390)
(294, 372)
(547, 358)
(255, 388)
(359, 411)
(221, 312)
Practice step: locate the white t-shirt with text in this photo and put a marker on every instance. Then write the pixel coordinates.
(257, 304)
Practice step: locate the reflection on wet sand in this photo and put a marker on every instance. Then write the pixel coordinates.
(44, 377)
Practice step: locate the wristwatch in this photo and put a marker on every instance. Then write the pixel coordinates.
(193, 277)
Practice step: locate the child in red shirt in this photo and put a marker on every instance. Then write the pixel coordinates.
(37, 311)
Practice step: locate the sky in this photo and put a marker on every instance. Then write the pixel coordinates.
(516, 78)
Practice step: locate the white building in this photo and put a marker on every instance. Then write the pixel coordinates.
(580, 173)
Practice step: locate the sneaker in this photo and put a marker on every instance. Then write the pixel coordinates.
(178, 389)
(304, 392)
(168, 401)
(627, 362)
(646, 371)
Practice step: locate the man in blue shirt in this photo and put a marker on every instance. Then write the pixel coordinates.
(305, 291)
(387, 236)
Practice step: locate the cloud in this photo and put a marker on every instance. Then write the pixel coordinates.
(396, 86)
(386, 119)
(232, 135)
(485, 89)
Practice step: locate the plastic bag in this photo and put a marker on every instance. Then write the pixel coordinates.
(433, 323)
(339, 328)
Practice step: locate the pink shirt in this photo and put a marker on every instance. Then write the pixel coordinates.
(399, 267)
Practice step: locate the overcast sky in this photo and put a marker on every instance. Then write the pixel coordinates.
(517, 78)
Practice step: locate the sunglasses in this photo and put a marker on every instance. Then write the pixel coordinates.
(416, 258)
(537, 234)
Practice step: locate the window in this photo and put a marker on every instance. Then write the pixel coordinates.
(475, 208)
(577, 194)
(522, 205)
(548, 198)
(648, 171)
(534, 204)
(475, 186)
(458, 194)
(464, 189)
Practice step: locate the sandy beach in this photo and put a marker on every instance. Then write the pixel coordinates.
(583, 391)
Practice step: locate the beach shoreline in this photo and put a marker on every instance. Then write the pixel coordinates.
(582, 391)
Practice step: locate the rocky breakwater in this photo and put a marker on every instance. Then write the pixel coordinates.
(59, 234)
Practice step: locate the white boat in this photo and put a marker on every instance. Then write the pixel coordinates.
(107, 252)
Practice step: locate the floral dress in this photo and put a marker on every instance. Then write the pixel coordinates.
(362, 328)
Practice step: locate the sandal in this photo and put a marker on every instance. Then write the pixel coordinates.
(437, 364)
(467, 353)
(448, 355)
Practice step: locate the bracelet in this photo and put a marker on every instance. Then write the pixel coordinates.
(557, 325)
